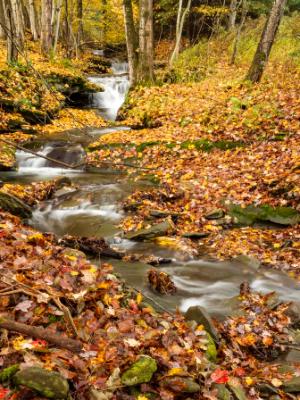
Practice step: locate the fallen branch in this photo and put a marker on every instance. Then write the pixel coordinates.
(75, 346)
(19, 147)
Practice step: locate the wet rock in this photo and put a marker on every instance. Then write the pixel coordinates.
(48, 384)
(293, 312)
(237, 389)
(140, 372)
(180, 384)
(211, 351)
(223, 392)
(266, 389)
(15, 206)
(201, 316)
(91, 245)
(195, 235)
(152, 232)
(250, 214)
(215, 214)
(292, 386)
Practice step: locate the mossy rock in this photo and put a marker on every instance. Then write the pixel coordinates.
(139, 372)
(152, 232)
(46, 383)
(251, 214)
(292, 386)
(14, 205)
(211, 351)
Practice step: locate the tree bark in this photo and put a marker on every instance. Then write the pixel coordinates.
(181, 15)
(12, 43)
(32, 19)
(80, 24)
(239, 31)
(46, 31)
(131, 41)
(56, 23)
(2, 22)
(266, 41)
(233, 14)
(145, 64)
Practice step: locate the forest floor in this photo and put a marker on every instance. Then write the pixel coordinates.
(224, 157)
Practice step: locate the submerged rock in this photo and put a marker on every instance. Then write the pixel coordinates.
(201, 316)
(48, 384)
(140, 372)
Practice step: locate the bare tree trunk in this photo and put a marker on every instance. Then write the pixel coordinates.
(46, 31)
(181, 16)
(145, 65)
(2, 21)
(56, 23)
(17, 12)
(80, 24)
(131, 41)
(239, 31)
(32, 19)
(266, 41)
(233, 14)
(12, 44)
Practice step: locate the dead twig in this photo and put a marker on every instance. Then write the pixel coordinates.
(75, 346)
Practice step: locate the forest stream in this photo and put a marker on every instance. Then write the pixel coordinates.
(95, 209)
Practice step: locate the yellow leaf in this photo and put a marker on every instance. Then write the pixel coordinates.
(249, 381)
(276, 382)
(175, 371)
(139, 298)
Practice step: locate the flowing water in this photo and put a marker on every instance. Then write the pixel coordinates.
(94, 208)
(115, 88)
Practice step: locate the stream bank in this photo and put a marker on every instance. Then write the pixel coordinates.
(117, 320)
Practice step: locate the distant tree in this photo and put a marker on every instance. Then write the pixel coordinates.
(33, 19)
(181, 16)
(232, 14)
(56, 23)
(266, 41)
(80, 23)
(239, 31)
(46, 27)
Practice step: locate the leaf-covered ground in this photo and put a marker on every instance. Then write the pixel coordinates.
(214, 146)
(43, 284)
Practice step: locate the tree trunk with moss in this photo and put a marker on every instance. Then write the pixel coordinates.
(145, 64)
(266, 41)
(131, 41)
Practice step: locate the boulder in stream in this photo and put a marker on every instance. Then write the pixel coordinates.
(15, 206)
(152, 232)
(48, 384)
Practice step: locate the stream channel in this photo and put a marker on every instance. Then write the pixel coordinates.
(95, 209)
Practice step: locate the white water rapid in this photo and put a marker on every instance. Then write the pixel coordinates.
(115, 89)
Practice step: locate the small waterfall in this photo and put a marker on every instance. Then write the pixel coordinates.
(115, 89)
(65, 152)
